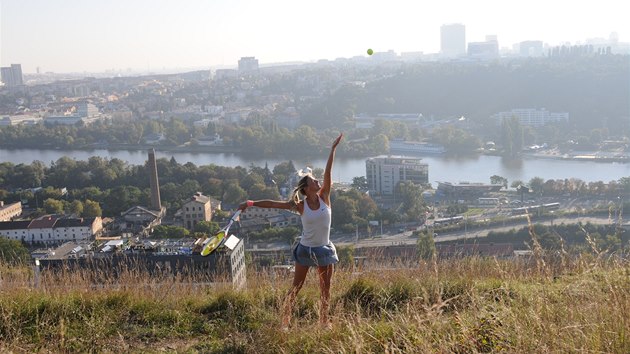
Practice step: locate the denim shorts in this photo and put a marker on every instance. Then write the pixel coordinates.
(315, 256)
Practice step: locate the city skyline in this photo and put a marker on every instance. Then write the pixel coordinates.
(154, 35)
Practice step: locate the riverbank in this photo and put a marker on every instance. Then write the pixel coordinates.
(595, 156)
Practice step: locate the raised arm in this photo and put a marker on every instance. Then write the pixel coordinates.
(324, 193)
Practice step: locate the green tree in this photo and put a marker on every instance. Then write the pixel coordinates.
(76, 207)
(360, 183)
(496, 179)
(13, 252)
(53, 206)
(344, 210)
(512, 136)
(234, 194)
(91, 209)
(207, 227)
(346, 256)
(536, 185)
(426, 245)
(411, 196)
(163, 231)
(283, 171)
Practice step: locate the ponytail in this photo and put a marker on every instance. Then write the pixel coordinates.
(295, 195)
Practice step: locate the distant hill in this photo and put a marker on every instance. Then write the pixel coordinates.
(594, 90)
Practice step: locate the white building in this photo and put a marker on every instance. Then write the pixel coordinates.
(484, 50)
(453, 40)
(22, 119)
(51, 229)
(248, 65)
(383, 173)
(532, 117)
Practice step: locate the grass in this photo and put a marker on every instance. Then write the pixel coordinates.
(464, 306)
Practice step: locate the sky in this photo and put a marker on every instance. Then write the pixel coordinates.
(66, 36)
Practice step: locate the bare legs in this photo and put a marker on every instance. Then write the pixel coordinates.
(289, 301)
(325, 275)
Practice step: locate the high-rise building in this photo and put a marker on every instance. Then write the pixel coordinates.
(531, 48)
(484, 50)
(12, 75)
(248, 65)
(453, 40)
(383, 173)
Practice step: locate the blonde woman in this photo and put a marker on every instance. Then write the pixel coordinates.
(314, 248)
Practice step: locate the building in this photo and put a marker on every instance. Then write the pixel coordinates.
(154, 138)
(138, 221)
(366, 120)
(453, 40)
(399, 146)
(52, 229)
(484, 50)
(21, 119)
(385, 172)
(248, 65)
(531, 49)
(198, 208)
(532, 117)
(9, 211)
(85, 113)
(12, 75)
(87, 110)
(159, 258)
(464, 191)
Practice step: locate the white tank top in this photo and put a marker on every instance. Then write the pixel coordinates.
(316, 225)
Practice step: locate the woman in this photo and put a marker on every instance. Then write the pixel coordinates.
(314, 248)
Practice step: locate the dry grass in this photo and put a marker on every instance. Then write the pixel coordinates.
(548, 304)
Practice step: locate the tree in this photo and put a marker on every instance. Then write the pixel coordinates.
(512, 134)
(53, 206)
(495, 179)
(346, 256)
(76, 207)
(411, 196)
(260, 191)
(360, 183)
(207, 227)
(344, 210)
(13, 252)
(234, 194)
(91, 209)
(426, 245)
(536, 185)
(283, 171)
(163, 231)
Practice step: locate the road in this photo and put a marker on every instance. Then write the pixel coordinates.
(406, 238)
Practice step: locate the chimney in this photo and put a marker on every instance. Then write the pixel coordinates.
(156, 204)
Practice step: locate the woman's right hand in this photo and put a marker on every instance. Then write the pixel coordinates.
(337, 141)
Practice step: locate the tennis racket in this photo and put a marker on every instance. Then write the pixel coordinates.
(215, 241)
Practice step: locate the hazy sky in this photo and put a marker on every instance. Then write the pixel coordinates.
(96, 35)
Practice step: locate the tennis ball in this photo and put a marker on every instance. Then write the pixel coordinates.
(370, 51)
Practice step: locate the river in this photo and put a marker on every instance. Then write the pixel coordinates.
(441, 168)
